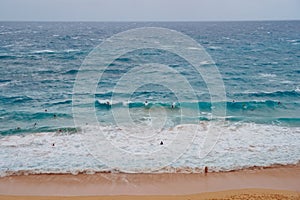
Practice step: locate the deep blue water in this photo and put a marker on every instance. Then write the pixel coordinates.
(259, 63)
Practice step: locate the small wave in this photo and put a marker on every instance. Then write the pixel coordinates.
(4, 83)
(15, 99)
(19, 132)
(69, 101)
(205, 63)
(294, 41)
(287, 82)
(45, 51)
(72, 71)
(4, 80)
(8, 56)
(193, 48)
(272, 94)
(71, 50)
(9, 45)
(27, 116)
(266, 75)
(214, 47)
(123, 59)
(7, 33)
(105, 103)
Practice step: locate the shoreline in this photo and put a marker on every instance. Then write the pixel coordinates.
(114, 184)
(166, 170)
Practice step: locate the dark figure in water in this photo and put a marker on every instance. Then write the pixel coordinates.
(54, 116)
(161, 143)
(46, 110)
(173, 105)
(34, 125)
(53, 144)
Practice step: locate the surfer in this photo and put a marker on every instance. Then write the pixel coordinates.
(161, 143)
(173, 105)
(146, 103)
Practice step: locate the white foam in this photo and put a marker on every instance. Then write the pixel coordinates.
(206, 63)
(240, 145)
(193, 48)
(71, 50)
(5, 84)
(44, 51)
(286, 82)
(214, 47)
(267, 75)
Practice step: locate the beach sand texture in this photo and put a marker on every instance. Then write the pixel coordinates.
(248, 194)
(270, 183)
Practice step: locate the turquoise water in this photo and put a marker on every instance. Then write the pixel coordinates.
(258, 61)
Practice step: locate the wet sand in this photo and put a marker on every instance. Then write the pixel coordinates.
(281, 182)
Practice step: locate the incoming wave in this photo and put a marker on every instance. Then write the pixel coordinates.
(246, 144)
(276, 94)
(232, 105)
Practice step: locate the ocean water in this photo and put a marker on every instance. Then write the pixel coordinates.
(259, 63)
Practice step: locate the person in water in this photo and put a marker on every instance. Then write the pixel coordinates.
(146, 103)
(173, 105)
(108, 103)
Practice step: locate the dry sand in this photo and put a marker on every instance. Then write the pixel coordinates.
(273, 183)
(247, 194)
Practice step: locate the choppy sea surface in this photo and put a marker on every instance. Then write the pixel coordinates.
(258, 61)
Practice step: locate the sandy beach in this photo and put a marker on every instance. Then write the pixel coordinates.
(269, 183)
(226, 195)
